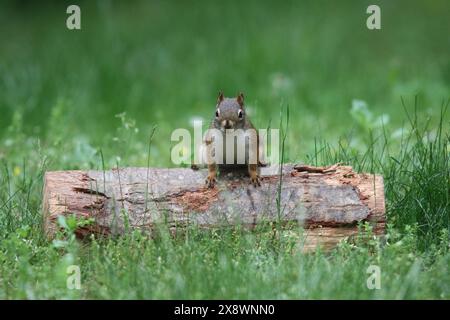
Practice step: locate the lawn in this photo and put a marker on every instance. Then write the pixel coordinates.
(374, 99)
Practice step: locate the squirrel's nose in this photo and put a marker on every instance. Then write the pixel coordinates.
(227, 124)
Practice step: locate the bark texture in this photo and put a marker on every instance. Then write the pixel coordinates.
(327, 201)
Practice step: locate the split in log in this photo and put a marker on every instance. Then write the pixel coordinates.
(328, 202)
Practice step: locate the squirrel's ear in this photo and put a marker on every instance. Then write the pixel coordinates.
(240, 99)
(220, 97)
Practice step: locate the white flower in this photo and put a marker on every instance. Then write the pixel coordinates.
(195, 121)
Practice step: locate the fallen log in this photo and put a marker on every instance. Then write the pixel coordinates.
(328, 202)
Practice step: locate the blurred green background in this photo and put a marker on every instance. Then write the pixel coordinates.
(163, 62)
(78, 99)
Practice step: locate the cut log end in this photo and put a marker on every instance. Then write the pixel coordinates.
(328, 202)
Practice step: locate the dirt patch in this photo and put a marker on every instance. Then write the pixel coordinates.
(197, 201)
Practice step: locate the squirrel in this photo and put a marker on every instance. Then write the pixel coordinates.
(231, 118)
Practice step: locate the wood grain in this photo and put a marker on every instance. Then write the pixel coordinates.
(327, 202)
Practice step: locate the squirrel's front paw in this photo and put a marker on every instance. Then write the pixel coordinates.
(254, 179)
(210, 181)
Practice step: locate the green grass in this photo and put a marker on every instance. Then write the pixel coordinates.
(89, 99)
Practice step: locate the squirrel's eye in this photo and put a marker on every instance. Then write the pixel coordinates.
(217, 113)
(240, 114)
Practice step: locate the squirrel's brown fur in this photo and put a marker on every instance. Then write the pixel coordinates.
(230, 114)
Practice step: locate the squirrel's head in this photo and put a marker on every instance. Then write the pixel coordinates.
(230, 113)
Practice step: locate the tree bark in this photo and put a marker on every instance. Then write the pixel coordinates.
(328, 202)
